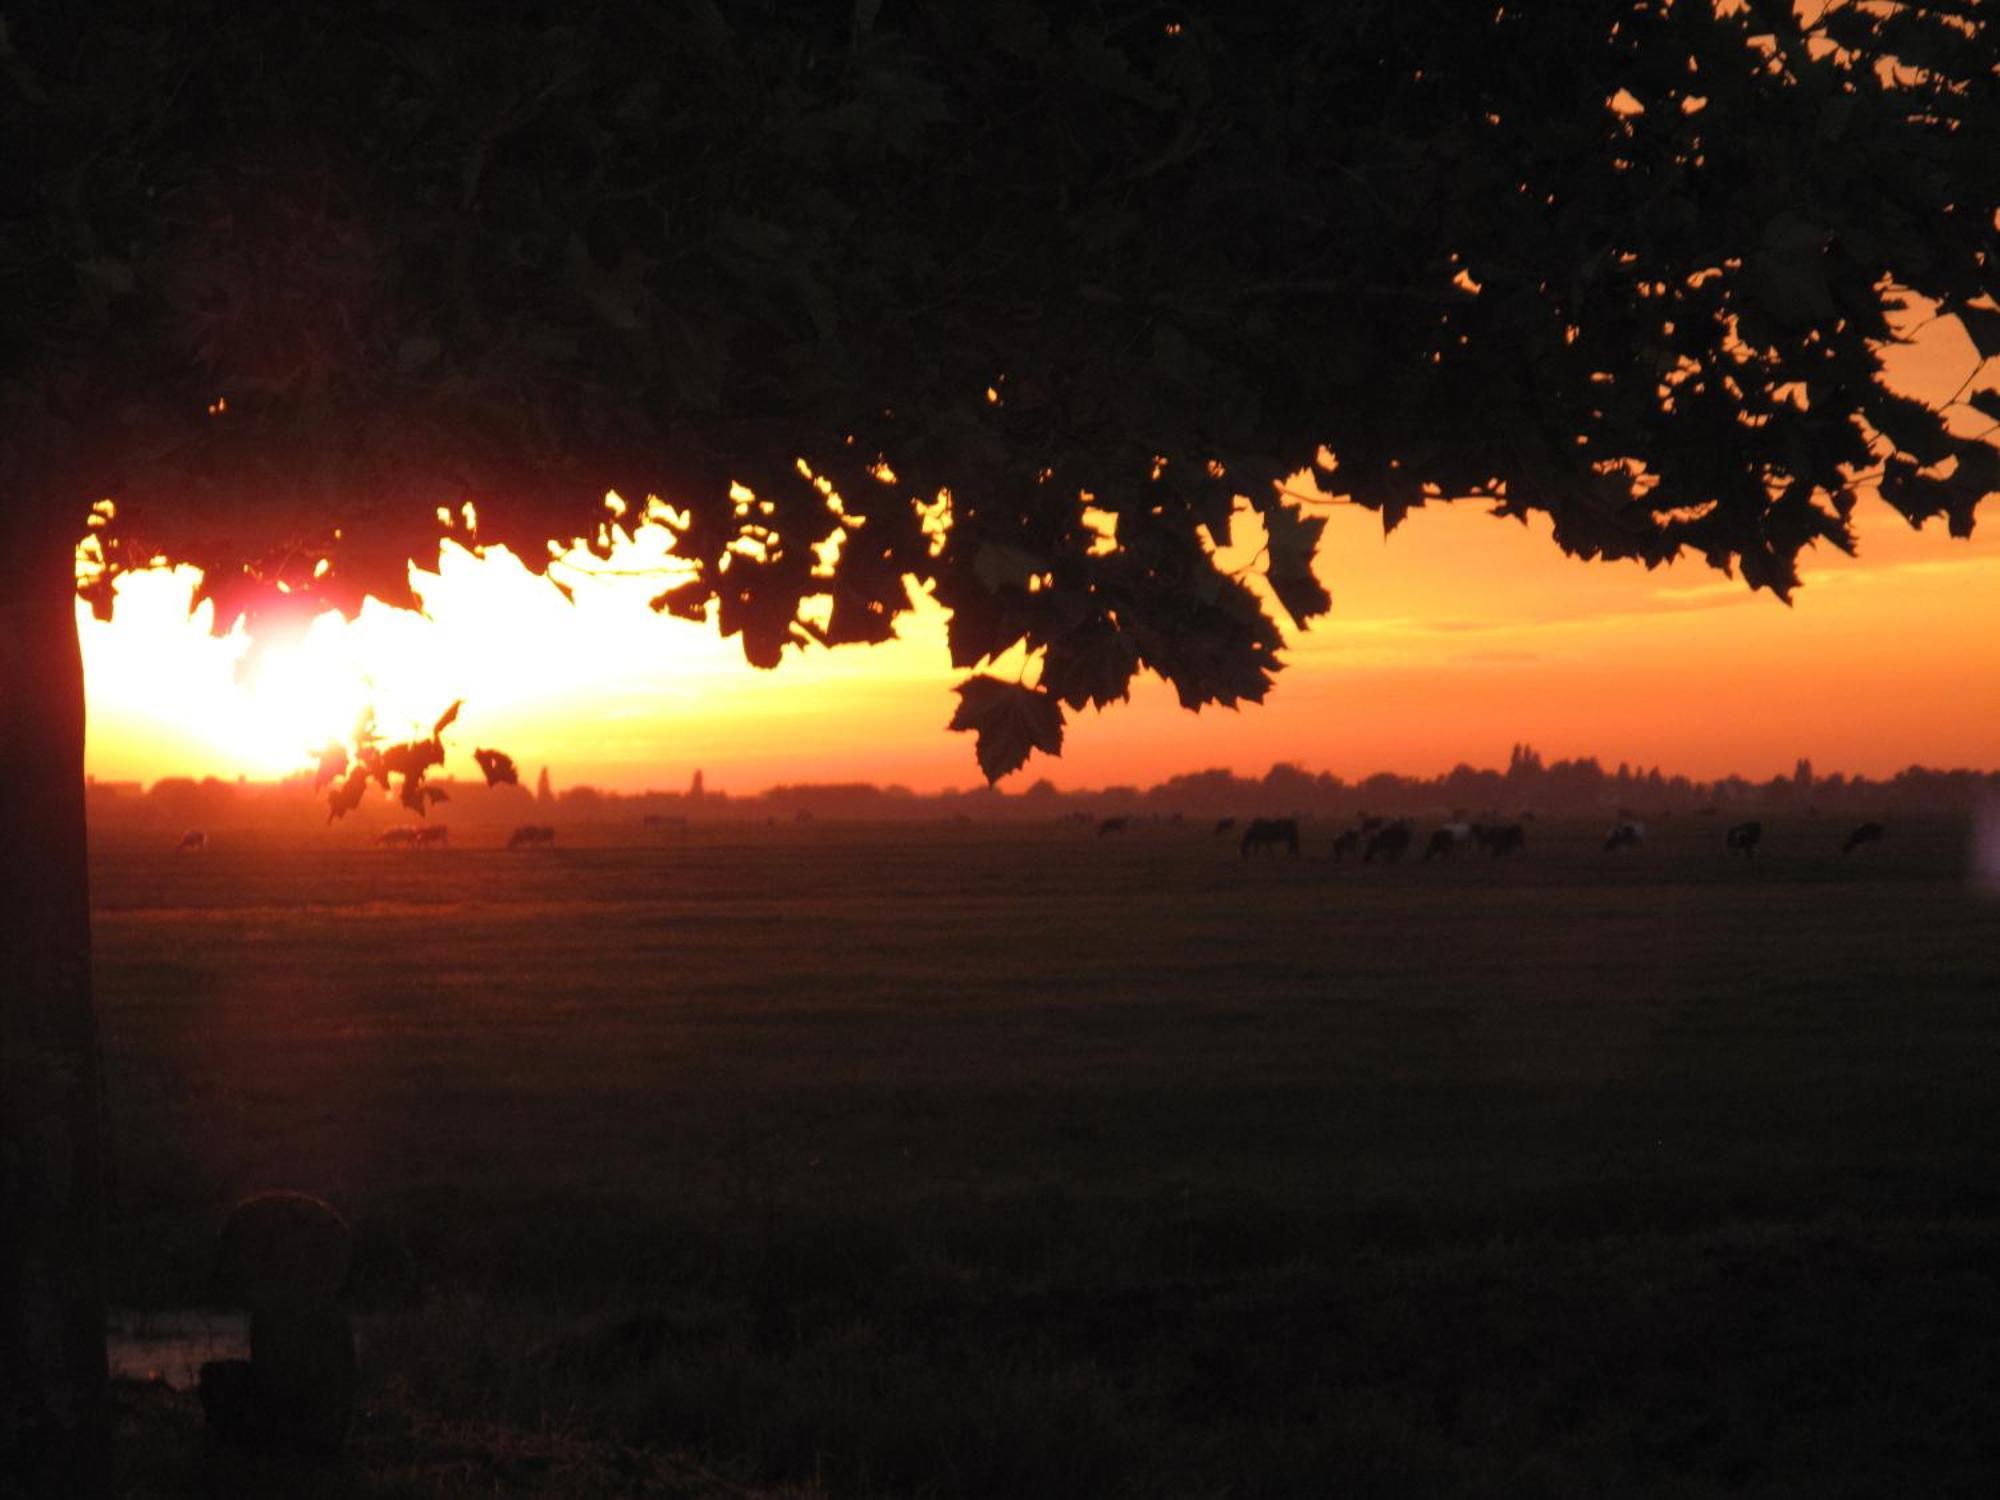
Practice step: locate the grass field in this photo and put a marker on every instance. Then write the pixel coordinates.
(989, 1161)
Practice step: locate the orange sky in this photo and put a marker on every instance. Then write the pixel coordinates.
(1449, 641)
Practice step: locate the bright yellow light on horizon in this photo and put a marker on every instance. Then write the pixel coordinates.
(1449, 641)
(602, 683)
(309, 692)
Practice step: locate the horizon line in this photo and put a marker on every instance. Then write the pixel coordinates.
(1635, 772)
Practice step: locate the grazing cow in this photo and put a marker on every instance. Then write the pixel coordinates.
(1223, 826)
(1346, 842)
(1744, 836)
(1269, 833)
(1624, 834)
(529, 835)
(1390, 840)
(1867, 833)
(192, 842)
(396, 838)
(1447, 841)
(433, 836)
(1113, 825)
(1500, 839)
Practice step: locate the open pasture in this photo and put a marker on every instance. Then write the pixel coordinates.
(1007, 1160)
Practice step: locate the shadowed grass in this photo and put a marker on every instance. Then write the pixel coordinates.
(992, 1162)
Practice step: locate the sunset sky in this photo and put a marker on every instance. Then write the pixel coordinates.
(1448, 641)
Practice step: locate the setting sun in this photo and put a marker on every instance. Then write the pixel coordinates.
(1449, 641)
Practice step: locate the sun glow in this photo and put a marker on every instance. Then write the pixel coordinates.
(1453, 640)
(306, 692)
(597, 683)
(165, 686)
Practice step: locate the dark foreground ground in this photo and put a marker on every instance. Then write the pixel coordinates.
(990, 1162)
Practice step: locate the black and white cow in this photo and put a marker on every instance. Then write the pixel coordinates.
(1391, 840)
(1447, 841)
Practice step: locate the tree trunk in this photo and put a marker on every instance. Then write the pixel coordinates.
(54, 1399)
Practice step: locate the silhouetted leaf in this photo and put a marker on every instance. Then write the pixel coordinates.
(447, 719)
(997, 566)
(1913, 427)
(1973, 480)
(347, 796)
(1091, 666)
(1294, 540)
(855, 620)
(412, 758)
(688, 601)
(1982, 326)
(974, 631)
(332, 761)
(419, 798)
(497, 767)
(1010, 720)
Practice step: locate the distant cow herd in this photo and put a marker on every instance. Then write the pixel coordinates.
(419, 836)
(1374, 840)
(1390, 839)
(438, 836)
(1380, 840)
(430, 836)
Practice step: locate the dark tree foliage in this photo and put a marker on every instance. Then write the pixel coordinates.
(295, 284)
(349, 776)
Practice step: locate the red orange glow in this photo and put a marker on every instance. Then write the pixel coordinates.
(1451, 640)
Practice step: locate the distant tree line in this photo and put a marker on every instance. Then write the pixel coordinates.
(1528, 784)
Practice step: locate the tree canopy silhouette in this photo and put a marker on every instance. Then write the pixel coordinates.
(297, 287)
(1021, 304)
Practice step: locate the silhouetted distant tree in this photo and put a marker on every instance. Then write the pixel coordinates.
(1018, 303)
(1286, 785)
